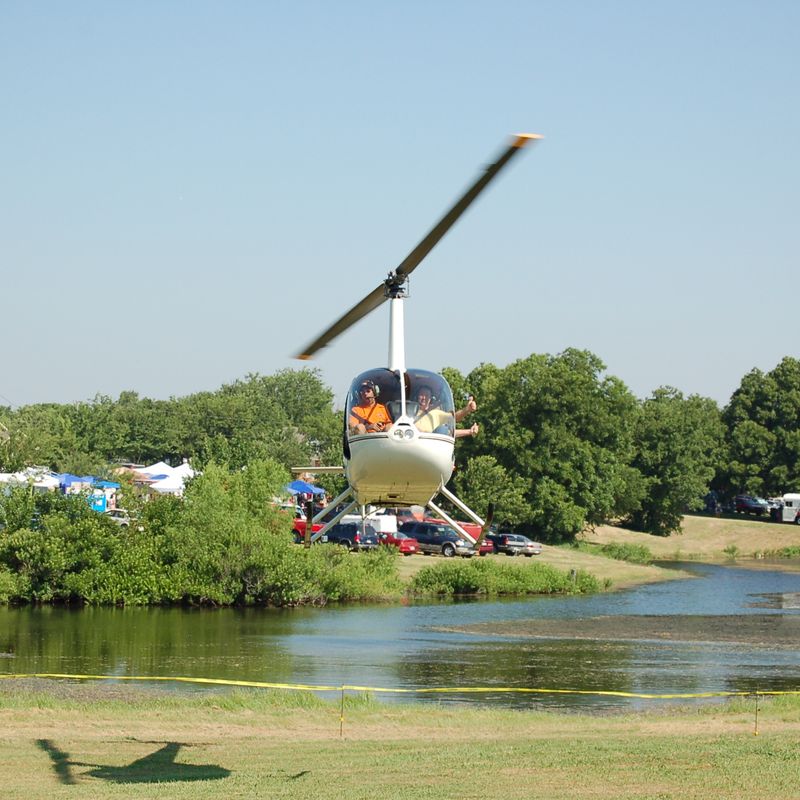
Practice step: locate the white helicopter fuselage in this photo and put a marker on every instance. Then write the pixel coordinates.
(399, 467)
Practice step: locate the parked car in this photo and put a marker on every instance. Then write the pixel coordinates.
(299, 529)
(474, 530)
(747, 504)
(120, 516)
(401, 515)
(509, 543)
(352, 536)
(486, 548)
(404, 543)
(529, 547)
(437, 538)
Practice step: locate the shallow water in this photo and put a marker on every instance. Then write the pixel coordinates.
(404, 646)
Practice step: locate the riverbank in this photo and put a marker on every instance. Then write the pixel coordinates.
(708, 539)
(616, 574)
(83, 741)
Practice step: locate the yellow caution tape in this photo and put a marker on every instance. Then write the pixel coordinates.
(299, 687)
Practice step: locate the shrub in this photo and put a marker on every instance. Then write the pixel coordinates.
(792, 551)
(225, 544)
(622, 551)
(9, 585)
(491, 579)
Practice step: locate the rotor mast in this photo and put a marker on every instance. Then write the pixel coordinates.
(396, 292)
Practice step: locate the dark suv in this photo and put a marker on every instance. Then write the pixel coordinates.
(745, 504)
(348, 535)
(437, 539)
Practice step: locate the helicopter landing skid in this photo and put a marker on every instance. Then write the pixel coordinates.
(462, 506)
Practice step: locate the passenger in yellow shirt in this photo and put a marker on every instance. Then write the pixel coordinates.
(432, 419)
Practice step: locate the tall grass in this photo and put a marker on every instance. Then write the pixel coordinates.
(784, 552)
(621, 551)
(491, 579)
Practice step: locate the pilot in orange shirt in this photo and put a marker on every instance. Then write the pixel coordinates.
(369, 416)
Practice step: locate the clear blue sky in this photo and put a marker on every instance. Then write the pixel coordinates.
(191, 191)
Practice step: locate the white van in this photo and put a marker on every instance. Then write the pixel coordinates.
(790, 508)
(380, 523)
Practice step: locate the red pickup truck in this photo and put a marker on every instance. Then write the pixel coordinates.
(300, 528)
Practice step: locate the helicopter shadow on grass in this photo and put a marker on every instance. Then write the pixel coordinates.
(159, 766)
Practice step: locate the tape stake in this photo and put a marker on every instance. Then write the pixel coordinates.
(341, 717)
(755, 732)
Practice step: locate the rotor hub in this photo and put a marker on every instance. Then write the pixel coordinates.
(396, 285)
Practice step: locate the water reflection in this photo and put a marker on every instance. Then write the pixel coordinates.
(408, 646)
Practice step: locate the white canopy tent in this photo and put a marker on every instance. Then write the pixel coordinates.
(172, 484)
(37, 477)
(175, 477)
(159, 468)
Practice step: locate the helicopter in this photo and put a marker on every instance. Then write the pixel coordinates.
(400, 422)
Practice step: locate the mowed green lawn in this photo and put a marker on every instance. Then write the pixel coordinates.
(149, 744)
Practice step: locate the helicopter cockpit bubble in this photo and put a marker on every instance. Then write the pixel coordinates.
(376, 401)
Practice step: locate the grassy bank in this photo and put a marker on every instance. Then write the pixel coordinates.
(711, 539)
(706, 538)
(82, 742)
(609, 573)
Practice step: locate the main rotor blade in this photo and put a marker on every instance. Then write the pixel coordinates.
(359, 310)
(413, 259)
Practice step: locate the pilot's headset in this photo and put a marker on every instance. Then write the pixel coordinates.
(370, 385)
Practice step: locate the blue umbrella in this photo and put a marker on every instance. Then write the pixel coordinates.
(301, 487)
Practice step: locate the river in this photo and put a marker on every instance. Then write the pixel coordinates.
(413, 646)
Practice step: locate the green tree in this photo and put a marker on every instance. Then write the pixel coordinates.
(229, 534)
(484, 481)
(565, 431)
(36, 435)
(679, 444)
(763, 437)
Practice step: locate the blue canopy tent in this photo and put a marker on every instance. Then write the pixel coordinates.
(301, 487)
(66, 479)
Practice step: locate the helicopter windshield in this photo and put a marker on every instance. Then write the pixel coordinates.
(374, 402)
(429, 402)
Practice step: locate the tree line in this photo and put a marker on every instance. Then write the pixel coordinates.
(562, 445)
